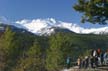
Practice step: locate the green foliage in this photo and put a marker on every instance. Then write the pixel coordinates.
(7, 38)
(26, 52)
(6, 45)
(54, 58)
(94, 11)
(32, 60)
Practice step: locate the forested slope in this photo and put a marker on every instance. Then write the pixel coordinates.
(27, 52)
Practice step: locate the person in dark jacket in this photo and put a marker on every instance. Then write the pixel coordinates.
(92, 61)
(102, 58)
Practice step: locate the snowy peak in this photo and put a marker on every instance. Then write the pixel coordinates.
(50, 25)
(37, 25)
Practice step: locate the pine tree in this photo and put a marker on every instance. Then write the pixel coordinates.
(94, 11)
(32, 61)
(54, 57)
(6, 43)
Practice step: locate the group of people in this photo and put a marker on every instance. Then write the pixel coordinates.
(95, 59)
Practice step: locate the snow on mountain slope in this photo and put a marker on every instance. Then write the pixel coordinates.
(45, 26)
(37, 25)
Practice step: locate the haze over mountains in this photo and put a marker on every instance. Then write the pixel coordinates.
(48, 26)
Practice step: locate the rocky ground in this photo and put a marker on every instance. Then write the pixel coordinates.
(75, 68)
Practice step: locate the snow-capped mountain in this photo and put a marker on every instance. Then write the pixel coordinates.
(48, 26)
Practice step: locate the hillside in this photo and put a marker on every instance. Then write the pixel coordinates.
(20, 51)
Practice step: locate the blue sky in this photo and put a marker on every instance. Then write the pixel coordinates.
(32, 9)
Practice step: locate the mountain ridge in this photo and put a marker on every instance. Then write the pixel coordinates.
(48, 26)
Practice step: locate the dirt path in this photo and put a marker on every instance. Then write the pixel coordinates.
(102, 68)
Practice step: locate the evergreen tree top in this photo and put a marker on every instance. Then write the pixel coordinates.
(94, 11)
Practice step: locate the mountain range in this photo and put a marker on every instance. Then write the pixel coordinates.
(50, 25)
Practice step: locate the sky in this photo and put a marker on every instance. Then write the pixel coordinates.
(33, 9)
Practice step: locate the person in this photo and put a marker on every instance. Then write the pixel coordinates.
(68, 62)
(98, 52)
(79, 62)
(93, 53)
(102, 58)
(98, 56)
(82, 63)
(96, 61)
(92, 61)
(105, 56)
(86, 64)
